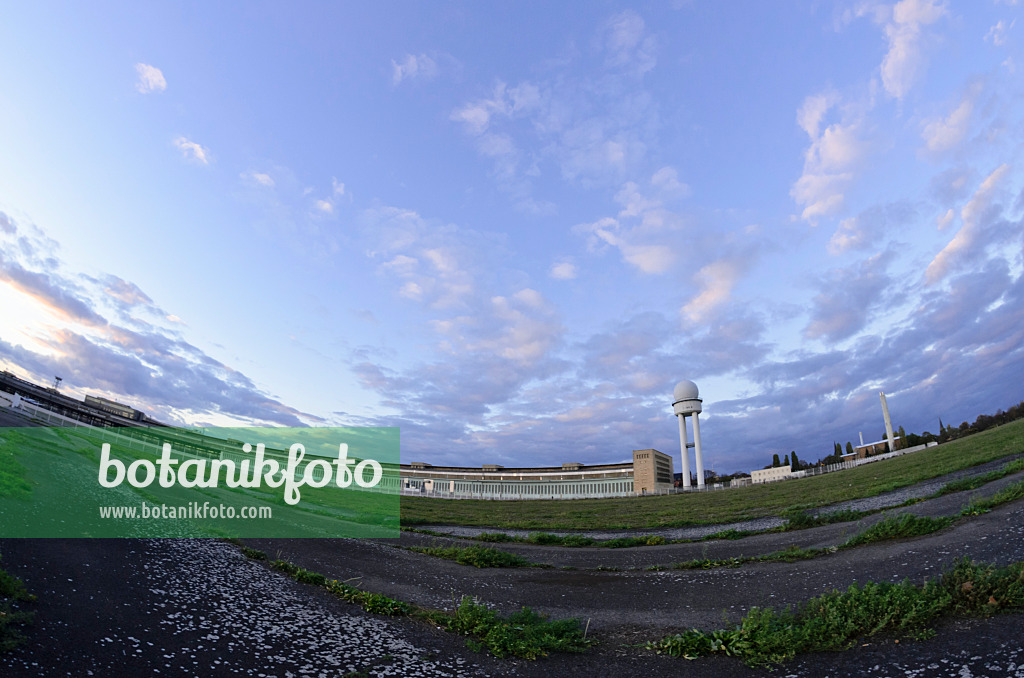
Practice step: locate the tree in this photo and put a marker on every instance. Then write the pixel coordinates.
(786, 462)
(902, 443)
(775, 461)
(796, 462)
(838, 450)
(849, 447)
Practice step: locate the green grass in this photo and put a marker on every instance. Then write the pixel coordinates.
(899, 527)
(477, 556)
(837, 620)
(13, 620)
(13, 480)
(725, 506)
(974, 482)
(525, 634)
(986, 504)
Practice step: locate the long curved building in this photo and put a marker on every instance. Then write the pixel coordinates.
(650, 472)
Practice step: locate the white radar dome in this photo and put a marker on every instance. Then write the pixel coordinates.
(685, 390)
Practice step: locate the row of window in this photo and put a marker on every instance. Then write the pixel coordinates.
(540, 490)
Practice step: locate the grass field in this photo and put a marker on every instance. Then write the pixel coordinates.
(724, 506)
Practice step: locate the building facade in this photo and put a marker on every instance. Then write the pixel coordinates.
(650, 472)
(768, 475)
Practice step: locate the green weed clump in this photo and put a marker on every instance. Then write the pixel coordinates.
(545, 539)
(253, 554)
(898, 527)
(974, 482)
(495, 537)
(523, 634)
(797, 519)
(477, 556)
(13, 620)
(986, 504)
(837, 620)
(630, 542)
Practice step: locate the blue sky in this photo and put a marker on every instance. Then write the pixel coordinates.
(510, 228)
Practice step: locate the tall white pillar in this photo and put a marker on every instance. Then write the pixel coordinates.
(686, 402)
(888, 422)
(696, 448)
(686, 449)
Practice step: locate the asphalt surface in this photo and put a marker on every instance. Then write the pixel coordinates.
(194, 607)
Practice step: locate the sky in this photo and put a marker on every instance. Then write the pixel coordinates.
(511, 228)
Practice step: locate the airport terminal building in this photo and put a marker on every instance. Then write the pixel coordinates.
(650, 472)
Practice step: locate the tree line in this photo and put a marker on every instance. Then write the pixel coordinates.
(946, 433)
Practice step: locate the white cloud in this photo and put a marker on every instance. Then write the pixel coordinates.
(667, 181)
(945, 133)
(848, 236)
(151, 79)
(835, 150)
(946, 219)
(524, 328)
(564, 270)
(627, 43)
(716, 280)
(649, 258)
(997, 34)
(813, 111)
(970, 216)
(505, 102)
(259, 178)
(192, 150)
(325, 206)
(904, 59)
(412, 66)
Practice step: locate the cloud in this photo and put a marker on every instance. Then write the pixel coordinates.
(836, 150)
(869, 227)
(648, 258)
(998, 33)
(56, 295)
(716, 282)
(563, 270)
(645, 230)
(904, 59)
(192, 151)
(972, 216)
(593, 131)
(258, 178)
(627, 44)
(411, 67)
(848, 298)
(151, 79)
(145, 362)
(943, 134)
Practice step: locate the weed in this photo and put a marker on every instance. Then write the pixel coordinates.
(477, 556)
(897, 527)
(523, 634)
(13, 620)
(495, 537)
(836, 620)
